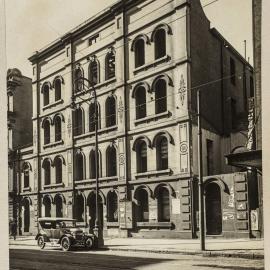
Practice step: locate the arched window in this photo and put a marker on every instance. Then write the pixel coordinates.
(58, 170)
(59, 206)
(163, 198)
(110, 112)
(46, 95)
(47, 172)
(112, 207)
(141, 157)
(78, 82)
(57, 89)
(213, 209)
(110, 65)
(161, 96)
(26, 172)
(162, 154)
(48, 206)
(92, 161)
(160, 43)
(78, 122)
(92, 122)
(58, 129)
(111, 161)
(140, 97)
(47, 132)
(94, 72)
(139, 53)
(26, 215)
(79, 166)
(80, 208)
(91, 202)
(142, 206)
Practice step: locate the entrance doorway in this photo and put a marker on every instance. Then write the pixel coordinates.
(47, 206)
(92, 211)
(26, 216)
(213, 209)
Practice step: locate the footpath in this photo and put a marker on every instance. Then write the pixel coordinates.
(238, 248)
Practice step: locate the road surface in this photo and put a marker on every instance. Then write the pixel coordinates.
(31, 258)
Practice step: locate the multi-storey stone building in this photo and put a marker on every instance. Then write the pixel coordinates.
(147, 59)
(19, 113)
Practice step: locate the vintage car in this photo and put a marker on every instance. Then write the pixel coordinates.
(63, 231)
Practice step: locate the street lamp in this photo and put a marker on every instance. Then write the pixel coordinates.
(97, 230)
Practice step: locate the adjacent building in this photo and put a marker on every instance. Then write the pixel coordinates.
(146, 60)
(20, 131)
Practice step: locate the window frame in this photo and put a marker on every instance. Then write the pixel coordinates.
(111, 161)
(110, 73)
(139, 52)
(160, 51)
(110, 111)
(162, 163)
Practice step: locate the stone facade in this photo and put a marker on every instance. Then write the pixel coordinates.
(19, 113)
(146, 59)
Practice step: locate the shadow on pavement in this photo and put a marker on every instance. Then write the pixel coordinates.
(42, 259)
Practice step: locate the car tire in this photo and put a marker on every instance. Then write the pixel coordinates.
(65, 243)
(41, 242)
(89, 243)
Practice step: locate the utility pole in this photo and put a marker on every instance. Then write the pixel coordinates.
(245, 49)
(200, 171)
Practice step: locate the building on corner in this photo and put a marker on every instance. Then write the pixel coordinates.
(147, 60)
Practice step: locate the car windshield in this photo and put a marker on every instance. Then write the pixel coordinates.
(57, 224)
(67, 223)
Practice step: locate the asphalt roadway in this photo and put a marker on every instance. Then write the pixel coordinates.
(31, 258)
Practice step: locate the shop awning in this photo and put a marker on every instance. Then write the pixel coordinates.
(248, 158)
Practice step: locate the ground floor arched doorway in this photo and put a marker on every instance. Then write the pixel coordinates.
(58, 206)
(47, 204)
(91, 203)
(213, 209)
(26, 215)
(79, 212)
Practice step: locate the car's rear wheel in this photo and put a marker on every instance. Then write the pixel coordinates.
(40, 241)
(89, 243)
(65, 243)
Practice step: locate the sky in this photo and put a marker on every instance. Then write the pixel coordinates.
(32, 24)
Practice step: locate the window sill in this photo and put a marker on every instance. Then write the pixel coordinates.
(100, 131)
(152, 117)
(25, 189)
(156, 62)
(93, 180)
(60, 101)
(162, 225)
(53, 144)
(54, 185)
(98, 85)
(112, 224)
(106, 83)
(153, 173)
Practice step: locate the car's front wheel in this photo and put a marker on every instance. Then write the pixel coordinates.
(89, 243)
(65, 243)
(40, 241)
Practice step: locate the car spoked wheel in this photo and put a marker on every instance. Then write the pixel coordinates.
(89, 243)
(41, 242)
(65, 243)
